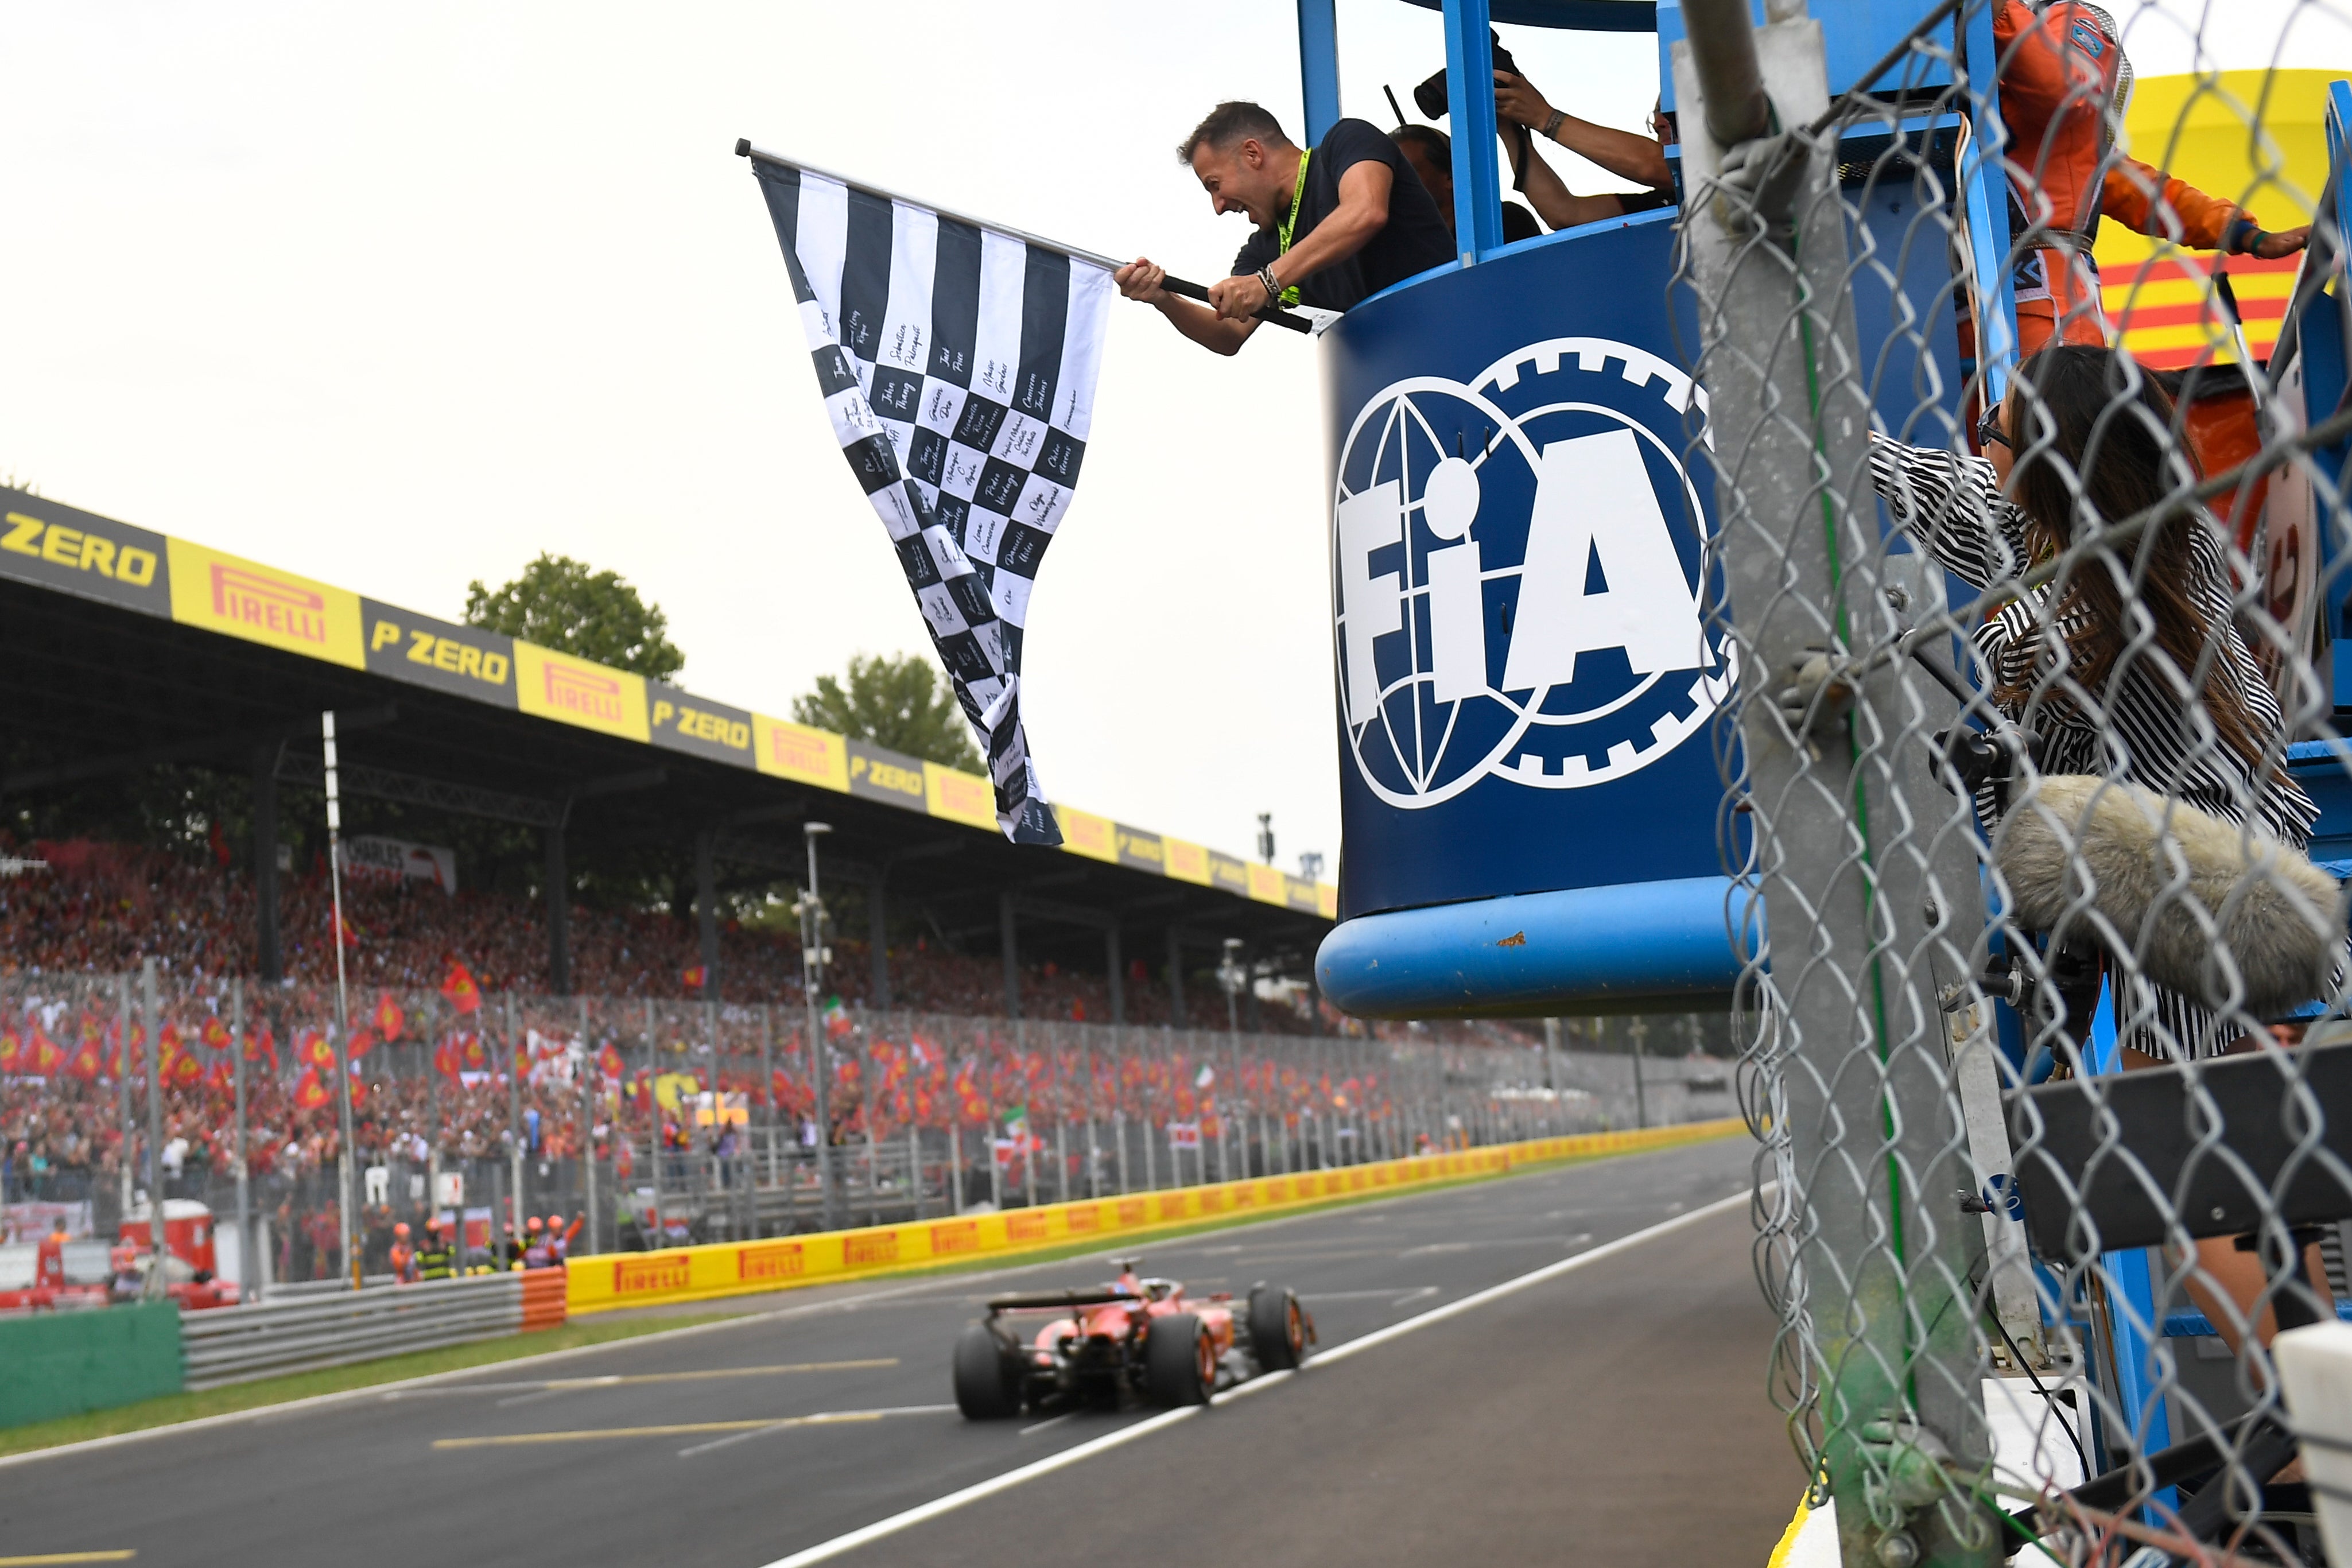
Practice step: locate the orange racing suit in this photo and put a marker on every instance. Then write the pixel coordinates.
(2063, 83)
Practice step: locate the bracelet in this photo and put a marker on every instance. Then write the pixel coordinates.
(2244, 236)
(1552, 124)
(1273, 289)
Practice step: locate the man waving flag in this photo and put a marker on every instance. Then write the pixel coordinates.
(957, 363)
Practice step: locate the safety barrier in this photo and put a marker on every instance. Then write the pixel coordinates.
(237, 1345)
(55, 1364)
(609, 1281)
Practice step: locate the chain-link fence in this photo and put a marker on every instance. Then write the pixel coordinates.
(653, 1123)
(2033, 572)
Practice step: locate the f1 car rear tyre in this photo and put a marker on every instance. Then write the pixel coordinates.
(987, 1381)
(1277, 1328)
(1179, 1361)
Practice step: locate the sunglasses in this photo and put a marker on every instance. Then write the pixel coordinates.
(1988, 430)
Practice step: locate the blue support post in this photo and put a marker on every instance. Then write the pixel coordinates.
(2132, 1317)
(1319, 66)
(1470, 107)
(1985, 188)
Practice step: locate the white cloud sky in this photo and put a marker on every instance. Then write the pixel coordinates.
(399, 297)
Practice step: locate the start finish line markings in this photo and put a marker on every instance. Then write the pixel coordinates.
(683, 1429)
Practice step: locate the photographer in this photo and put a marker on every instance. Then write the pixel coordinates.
(1333, 226)
(1431, 153)
(1640, 158)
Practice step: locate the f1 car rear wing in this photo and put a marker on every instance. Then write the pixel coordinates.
(1058, 1300)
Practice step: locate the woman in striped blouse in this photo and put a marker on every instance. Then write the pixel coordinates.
(2130, 664)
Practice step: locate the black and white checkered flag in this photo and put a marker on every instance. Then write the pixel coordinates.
(959, 366)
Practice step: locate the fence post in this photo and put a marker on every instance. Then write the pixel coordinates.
(157, 1276)
(248, 1285)
(653, 1129)
(591, 1074)
(1878, 1320)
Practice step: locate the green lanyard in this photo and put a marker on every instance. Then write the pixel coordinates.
(1283, 227)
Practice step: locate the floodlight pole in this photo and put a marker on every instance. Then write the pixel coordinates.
(811, 976)
(347, 1168)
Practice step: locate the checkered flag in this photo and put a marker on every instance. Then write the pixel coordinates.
(959, 366)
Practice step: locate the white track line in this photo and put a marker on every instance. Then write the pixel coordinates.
(892, 1526)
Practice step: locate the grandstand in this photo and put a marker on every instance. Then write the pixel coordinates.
(123, 650)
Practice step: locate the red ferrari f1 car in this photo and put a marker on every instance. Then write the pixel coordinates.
(1136, 1335)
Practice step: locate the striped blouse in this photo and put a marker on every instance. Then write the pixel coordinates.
(2145, 726)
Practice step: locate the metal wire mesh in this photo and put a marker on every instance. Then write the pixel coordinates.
(2046, 969)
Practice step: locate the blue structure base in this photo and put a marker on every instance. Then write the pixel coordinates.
(1634, 947)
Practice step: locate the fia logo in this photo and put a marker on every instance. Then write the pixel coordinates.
(1519, 567)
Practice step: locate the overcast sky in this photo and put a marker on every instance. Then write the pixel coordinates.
(400, 296)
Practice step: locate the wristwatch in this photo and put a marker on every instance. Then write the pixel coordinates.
(1553, 124)
(1265, 280)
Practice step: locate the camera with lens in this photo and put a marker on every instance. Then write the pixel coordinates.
(1430, 96)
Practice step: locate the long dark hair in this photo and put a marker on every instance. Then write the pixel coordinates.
(2096, 443)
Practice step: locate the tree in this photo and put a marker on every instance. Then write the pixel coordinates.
(570, 607)
(904, 703)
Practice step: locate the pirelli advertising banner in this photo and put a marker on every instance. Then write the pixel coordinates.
(735, 1268)
(72, 551)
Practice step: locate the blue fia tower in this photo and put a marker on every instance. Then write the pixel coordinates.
(1522, 498)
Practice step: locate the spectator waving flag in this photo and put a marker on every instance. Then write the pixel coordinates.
(957, 363)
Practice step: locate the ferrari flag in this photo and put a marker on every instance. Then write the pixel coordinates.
(958, 364)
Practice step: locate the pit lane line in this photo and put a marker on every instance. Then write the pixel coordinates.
(855, 1538)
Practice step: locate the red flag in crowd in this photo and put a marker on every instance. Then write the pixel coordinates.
(349, 932)
(478, 1055)
(12, 1050)
(694, 977)
(310, 1090)
(186, 1069)
(44, 1055)
(261, 1044)
(457, 985)
(389, 1020)
(220, 1075)
(445, 1060)
(85, 1063)
(215, 1033)
(610, 1064)
(361, 1042)
(311, 1048)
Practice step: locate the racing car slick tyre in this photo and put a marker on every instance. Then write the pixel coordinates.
(987, 1381)
(1180, 1362)
(1277, 1328)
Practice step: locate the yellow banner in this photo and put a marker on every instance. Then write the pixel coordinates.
(223, 593)
(1083, 833)
(1186, 862)
(733, 1269)
(791, 751)
(959, 796)
(576, 691)
(1266, 885)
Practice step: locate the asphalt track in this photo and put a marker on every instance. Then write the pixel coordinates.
(1611, 1412)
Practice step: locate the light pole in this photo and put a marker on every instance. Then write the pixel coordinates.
(1266, 836)
(812, 956)
(347, 1168)
(1230, 975)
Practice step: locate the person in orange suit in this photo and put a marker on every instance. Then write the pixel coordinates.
(2063, 85)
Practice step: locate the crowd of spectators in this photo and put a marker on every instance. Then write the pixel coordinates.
(98, 909)
(101, 908)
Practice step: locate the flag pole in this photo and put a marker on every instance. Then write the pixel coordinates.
(1289, 320)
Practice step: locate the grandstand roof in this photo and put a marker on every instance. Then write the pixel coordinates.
(120, 648)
